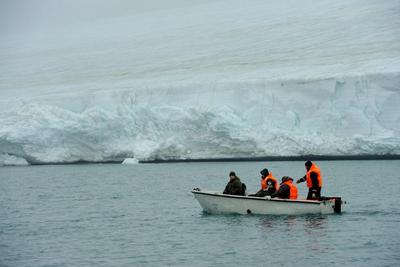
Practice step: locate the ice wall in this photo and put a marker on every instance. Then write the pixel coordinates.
(206, 79)
(348, 116)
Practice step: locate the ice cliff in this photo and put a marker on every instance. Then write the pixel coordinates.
(216, 79)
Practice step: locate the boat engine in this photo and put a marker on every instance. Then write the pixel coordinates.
(338, 205)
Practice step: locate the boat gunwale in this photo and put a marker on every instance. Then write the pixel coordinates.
(314, 202)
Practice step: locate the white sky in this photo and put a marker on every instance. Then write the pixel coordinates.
(21, 15)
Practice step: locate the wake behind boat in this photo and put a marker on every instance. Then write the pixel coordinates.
(214, 202)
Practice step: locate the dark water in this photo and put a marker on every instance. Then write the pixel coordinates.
(145, 215)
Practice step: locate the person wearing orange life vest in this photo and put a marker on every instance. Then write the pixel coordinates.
(269, 184)
(287, 190)
(313, 178)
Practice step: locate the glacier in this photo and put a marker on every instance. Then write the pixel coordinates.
(211, 79)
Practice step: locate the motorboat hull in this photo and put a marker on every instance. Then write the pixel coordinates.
(218, 203)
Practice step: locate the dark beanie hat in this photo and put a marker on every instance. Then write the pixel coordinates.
(308, 163)
(286, 178)
(232, 174)
(264, 172)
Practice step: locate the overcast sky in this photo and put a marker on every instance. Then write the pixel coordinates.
(21, 15)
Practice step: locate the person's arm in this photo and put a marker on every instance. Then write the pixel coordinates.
(269, 185)
(303, 179)
(283, 190)
(226, 190)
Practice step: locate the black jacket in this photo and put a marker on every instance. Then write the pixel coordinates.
(234, 187)
(283, 192)
(314, 180)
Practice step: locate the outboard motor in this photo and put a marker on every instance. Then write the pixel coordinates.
(338, 205)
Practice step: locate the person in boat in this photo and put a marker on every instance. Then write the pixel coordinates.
(287, 190)
(313, 178)
(269, 184)
(234, 186)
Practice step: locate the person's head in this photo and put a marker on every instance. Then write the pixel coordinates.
(264, 173)
(308, 165)
(286, 178)
(232, 175)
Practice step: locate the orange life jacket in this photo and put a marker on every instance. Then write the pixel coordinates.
(264, 182)
(293, 189)
(314, 168)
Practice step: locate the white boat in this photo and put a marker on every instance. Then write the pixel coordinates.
(217, 203)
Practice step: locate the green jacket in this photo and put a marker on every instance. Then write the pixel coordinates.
(234, 187)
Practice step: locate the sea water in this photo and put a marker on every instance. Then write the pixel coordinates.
(145, 215)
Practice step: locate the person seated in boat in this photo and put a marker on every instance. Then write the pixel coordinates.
(269, 184)
(287, 190)
(314, 180)
(234, 186)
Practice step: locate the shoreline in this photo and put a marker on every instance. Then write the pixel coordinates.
(237, 159)
(282, 158)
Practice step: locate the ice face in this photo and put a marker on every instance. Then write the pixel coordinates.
(326, 117)
(210, 80)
